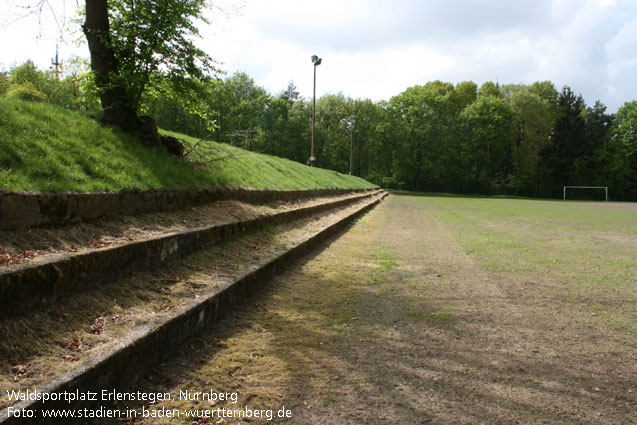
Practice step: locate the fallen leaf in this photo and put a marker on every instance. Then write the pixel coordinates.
(75, 345)
(97, 328)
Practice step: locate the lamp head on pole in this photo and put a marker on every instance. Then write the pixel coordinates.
(316, 60)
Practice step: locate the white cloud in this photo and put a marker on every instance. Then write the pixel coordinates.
(376, 48)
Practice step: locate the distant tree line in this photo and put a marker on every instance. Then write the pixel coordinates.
(527, 140)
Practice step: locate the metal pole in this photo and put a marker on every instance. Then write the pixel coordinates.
(312, 158)
(351, 149)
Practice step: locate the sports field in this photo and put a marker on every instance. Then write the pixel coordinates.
(441, 310)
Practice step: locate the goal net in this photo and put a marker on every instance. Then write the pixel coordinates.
(588, 193)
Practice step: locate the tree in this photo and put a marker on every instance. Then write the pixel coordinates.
(116, 104)
(489, 88)
(290, 94)
(597, 126)
(463, 95)
(4, 84)
(546, 91)
(487, 126)
(330, 142)
(423, 116)
(567, 143)
(181, 113)
(240, 105)
(532, 126)
(619, 154)
(135, 42)
(29, 83)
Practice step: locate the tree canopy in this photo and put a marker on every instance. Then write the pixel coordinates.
(136, 47)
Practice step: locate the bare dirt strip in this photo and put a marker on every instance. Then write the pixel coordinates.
(396, 322)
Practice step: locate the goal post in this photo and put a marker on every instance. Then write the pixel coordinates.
(586, 187)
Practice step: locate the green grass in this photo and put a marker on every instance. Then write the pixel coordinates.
(586, 251)
(385, 259)
(47, 148)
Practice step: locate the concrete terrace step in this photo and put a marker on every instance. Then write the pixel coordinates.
(152, 342)
(26, 210)
(28, 286)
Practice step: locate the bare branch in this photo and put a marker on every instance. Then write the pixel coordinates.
(208, 153)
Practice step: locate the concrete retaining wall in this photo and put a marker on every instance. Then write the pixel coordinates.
(36, 285)
(24, 210)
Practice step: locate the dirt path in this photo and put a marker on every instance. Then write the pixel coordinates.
(394, 322)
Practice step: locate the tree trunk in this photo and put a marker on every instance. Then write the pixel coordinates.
(117, 110)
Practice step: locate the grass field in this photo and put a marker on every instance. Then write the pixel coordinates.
(47, 148)
(441, 310)
(584, 251)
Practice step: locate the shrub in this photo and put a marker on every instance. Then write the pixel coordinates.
(4, 84)
(26, 91)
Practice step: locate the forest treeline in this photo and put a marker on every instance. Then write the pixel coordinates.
(512, 139)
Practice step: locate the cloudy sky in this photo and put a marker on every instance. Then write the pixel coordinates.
(377, 48)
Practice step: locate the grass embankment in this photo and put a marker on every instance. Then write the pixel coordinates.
(47, 148)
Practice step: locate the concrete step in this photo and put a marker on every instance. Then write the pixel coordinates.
(151, 343)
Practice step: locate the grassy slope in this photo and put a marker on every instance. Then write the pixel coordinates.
(46, 148)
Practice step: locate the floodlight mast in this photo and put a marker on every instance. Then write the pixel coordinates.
(316, 61)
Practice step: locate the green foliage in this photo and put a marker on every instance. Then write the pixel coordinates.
(424, 119)
(546, 91)
(625, 130)
(463, 95)
(567, 143)
(532, 126)
(489, 88)
(240, 105)
(26, 91)
(27, 72)
(185, 111)
(155, 37)
(290, 94)
(4, 84)
(74, 91)
(618, 156)
(486, 124)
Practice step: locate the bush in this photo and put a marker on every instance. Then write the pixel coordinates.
(4, 84)
(26, 91)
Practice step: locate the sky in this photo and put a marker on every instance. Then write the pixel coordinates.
(377, 48)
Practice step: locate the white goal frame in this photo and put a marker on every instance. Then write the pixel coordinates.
(586, 187)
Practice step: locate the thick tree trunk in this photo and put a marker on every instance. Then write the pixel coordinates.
(117, 110)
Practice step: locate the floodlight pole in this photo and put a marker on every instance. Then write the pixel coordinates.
(316, 61)
(351, 148)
